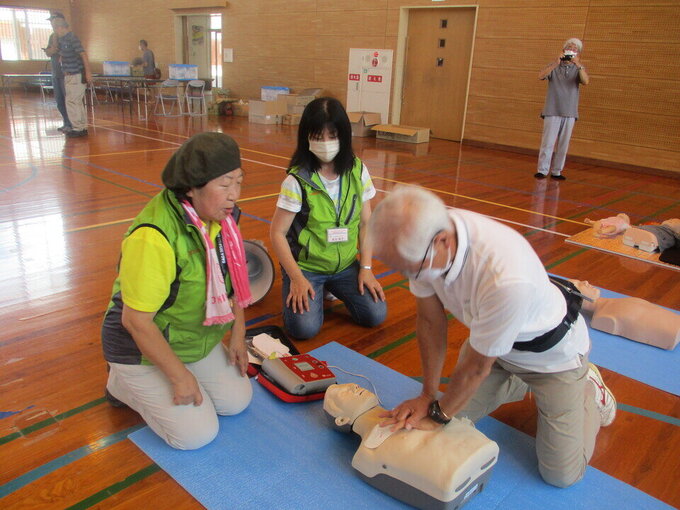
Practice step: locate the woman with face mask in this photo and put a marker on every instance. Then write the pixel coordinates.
(318, 226)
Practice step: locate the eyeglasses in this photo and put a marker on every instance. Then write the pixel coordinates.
(422, 262)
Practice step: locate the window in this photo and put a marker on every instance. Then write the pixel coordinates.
(24, 33)
(216, 49)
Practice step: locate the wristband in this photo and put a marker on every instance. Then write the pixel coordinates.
(367, 267)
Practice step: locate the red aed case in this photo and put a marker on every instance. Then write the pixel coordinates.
(298, 378)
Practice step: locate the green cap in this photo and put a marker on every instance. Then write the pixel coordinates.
(200, 159)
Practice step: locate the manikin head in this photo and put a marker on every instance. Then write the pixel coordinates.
(589, 291)
(346, 402)
(411, 231)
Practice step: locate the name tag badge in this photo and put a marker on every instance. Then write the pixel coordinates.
(337, 235)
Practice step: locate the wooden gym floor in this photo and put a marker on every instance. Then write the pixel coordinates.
(67, 202)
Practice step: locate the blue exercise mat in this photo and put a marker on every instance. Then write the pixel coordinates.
(287, 456)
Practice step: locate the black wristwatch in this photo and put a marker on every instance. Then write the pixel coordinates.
(436, 414)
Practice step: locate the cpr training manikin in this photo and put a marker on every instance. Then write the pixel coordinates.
(433, 469)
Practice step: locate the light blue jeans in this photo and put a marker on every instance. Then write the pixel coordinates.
(343, 285)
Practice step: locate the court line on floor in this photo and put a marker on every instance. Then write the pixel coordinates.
(389, 180)
(435, 190)
(64, 460)
(34, 174)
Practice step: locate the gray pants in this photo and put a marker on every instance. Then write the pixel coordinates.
(556, 130)
(568, 419)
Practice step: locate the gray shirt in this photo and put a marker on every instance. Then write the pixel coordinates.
(149, 62)
(562, 97)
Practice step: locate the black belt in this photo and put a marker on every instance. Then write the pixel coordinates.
(550, 339)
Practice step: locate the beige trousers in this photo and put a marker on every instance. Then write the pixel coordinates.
(75, 105)
(148, 391)
(568, 418)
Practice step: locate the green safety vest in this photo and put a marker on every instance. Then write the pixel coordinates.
(180, 318)
(307, 236)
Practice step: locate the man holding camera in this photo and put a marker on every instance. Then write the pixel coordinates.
(564, 76)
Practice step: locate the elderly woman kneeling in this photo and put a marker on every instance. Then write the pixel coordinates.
(182, 285)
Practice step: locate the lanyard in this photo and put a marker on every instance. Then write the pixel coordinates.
(340, 205)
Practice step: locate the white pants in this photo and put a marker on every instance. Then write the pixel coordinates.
(75, 106)
(555, 130)
(187, 427)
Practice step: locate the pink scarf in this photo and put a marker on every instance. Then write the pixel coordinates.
(217, 308)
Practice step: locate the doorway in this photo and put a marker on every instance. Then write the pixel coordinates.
(436, 52)
(198, 41)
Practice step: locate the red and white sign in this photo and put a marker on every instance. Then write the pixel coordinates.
(374, 78)
(354, 77)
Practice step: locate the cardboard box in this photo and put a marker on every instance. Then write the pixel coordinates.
(295, 109)
(270, 93)
(291, 119)
(182, 72)
(409, 134)
(362, 122)
(264, 119)
(311, 92)
(295, 99)
(259, 107)
(240, 109)
(115, 68)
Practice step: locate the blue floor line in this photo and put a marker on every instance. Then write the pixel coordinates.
(65, 460)
(261, 318)
(648, 414)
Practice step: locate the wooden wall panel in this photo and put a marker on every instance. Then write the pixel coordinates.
(531, 23)
(633, 24)
(629, 52)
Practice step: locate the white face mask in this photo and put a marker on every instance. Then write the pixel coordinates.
(325, 151)
(429, 273)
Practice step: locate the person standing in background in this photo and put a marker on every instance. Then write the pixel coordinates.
(52, 51)
(560, 112)
(76, 68)
(148, 59)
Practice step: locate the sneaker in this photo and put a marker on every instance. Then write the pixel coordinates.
(539, 175)
(604, 398)
(328, 296)
(64, 129)
(113, 401)
(558, 177)
(75, 134)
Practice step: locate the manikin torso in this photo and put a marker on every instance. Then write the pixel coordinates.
(442, 463)
(638, 320)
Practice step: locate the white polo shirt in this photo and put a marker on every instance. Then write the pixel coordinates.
(499, 289)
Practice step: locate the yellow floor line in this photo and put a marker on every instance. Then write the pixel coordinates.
(186, 138)
(434, 190)
(127, 220)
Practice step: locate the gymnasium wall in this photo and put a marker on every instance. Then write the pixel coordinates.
(630, 112)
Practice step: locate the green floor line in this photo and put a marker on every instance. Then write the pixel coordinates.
(49, 421)
(659, 212)
(107, 181)
(580, 213)
(564, 259)
(100, 496)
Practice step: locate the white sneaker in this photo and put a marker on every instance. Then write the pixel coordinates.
(604, 398)
(328, 296)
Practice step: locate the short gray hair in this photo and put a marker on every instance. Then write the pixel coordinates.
(410, 217)
(575, 41)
